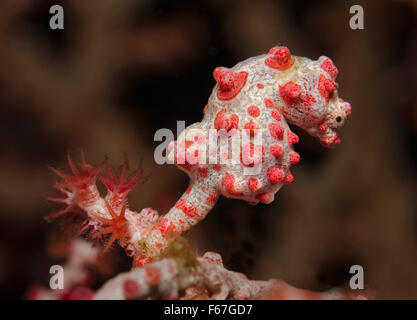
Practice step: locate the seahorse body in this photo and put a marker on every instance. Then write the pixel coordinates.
(255, 100)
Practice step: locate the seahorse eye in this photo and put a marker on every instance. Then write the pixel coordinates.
(338, 118)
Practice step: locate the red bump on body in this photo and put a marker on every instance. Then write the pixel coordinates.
(326, 87)
(289, 178)
(322, 127)
(253, 184)
(269, 103)
(276, 150)
(130, 288)
(281, 58)
(276, 131)
(228, 183)
(254, 111)
(186, 207)
(290, 92)
(328, 66)
(274, 174)
(251, 155)
(212, 198)
(221, 121)
(234, 120)
(294, 158)
(336, 141)
(251, 127)
(205, 108)
(292, 138)
(230, 83)
(265, 197)
(165, 227)
(276, 115)
(153, 275)
(217, 72)
(227, 123)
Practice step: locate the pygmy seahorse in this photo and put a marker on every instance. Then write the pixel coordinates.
(254, 101)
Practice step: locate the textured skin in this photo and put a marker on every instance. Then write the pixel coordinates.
(252, 102)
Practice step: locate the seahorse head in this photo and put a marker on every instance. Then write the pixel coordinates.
(310, 99)
(337, 111)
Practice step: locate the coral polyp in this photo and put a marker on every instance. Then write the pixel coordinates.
(117, 226)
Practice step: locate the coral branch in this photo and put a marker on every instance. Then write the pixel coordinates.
(154, 281)
(207, 279)
(82, 197)
(181, 275)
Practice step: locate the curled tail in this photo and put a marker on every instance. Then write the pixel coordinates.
(193, 206)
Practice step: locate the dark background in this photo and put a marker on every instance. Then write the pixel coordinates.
(122, 69)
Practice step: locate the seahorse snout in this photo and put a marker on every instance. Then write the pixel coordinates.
(326, 132)
(330, 141)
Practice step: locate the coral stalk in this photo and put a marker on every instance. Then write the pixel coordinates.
(208, 279)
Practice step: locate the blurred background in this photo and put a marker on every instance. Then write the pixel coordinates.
(120, 70)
